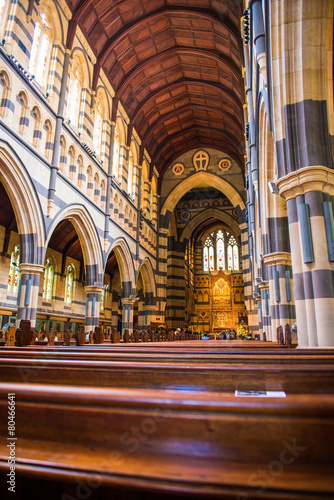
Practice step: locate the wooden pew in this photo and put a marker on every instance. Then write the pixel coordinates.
(228, 377)
(190, 444)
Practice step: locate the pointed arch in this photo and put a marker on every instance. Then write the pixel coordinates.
(148, 278)
(124, 261)
(26, 205)
(202, 178)
(88, 236)
(205, 215)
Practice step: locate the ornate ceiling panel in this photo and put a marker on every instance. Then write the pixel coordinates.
(175, 66)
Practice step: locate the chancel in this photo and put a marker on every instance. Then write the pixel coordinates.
(166, 177)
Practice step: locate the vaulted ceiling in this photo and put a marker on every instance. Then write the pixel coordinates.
(175, 66)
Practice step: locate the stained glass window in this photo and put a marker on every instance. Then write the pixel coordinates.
(97, 138)
(69, 284)
(74, 89)
(130, 174)
(233, 258)
(14, 273)
(103, 294)
(116, 154)
(40, 49)
(48, 280)
(208, 255)
(220, 250)
(2, 8)
(229, 258)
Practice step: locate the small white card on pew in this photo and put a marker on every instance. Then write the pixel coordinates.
(261, 394)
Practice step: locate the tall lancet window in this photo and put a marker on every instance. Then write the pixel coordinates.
(232, 254)
(74, 94)
(48, 280)
(69, 284)
(40, 50)
(208, 255)
(220, 250)
(97, 137)
(14, 273)
(116, 155)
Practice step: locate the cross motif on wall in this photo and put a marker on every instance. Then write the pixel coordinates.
(201, 160)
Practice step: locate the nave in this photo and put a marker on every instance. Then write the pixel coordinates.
(161, 420)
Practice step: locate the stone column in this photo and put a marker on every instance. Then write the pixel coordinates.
(114, 309)
(27, 298)
(305, 191)
(127, 317)
(266, 318)
(93, 296)
(247, 276)
(282, 309)
(161, 279)
(260, 315)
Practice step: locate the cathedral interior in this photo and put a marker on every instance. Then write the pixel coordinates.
(170, 163)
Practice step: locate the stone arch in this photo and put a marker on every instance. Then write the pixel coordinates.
(88, 236)
(206, 214)
(125, 264)
(202, 178)
(121, 130)
(147, 273)
(26, 206)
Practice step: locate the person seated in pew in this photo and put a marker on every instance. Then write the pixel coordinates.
(205, 337)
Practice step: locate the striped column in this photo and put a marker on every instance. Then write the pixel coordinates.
(247, 276)
(266, 318)
(93, 296)
(259, 313)
(305, 192)
(161, 279)
(176, 300)
(127, 316)
(27, 298)
(282, 309)
(114, 309)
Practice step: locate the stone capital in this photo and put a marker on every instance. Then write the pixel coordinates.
(264, 285)
(31, 269)
(277, 258)
(93, 289)
(307, 179)
(128, 300)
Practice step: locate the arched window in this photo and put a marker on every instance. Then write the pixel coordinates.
(14, 273)
(74, 94)
(5, 102)
(5, 5)
(116, 155)
(103, 193)
(63, 156)
(49, 141)
(208, 255)
(98, 122)
(72, 166)
(40, 50)
(96, 188)
(102, 299)
(24, 120)
(232, 255)
(37, 134)
(220, 250)
(48, 280)
(130, 174)
(90, 185)
(69, 284)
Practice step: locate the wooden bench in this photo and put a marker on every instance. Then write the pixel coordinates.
(196, 444)
(290, 377)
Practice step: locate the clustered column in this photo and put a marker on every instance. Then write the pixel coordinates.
(309, 193)
(28, 292)
(93, 296)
